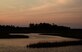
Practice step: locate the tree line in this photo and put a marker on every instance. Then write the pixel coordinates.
(43, 28)
(39, 28)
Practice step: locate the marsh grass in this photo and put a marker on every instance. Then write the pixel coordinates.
(55, 44)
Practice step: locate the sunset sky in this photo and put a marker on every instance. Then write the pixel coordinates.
(23, 12)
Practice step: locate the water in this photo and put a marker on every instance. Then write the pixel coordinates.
(24, 49)
(19, 45)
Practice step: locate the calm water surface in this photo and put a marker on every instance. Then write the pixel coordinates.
(19, 45)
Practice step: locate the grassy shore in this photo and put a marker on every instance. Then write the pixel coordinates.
(55, 44)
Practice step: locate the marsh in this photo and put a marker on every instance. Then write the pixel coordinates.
(19, 45)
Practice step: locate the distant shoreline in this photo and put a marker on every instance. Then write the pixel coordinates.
(43, 28)
(8, 36)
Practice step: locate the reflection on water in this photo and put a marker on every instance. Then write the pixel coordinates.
(59, 49)
(34, 38)
(15, 45)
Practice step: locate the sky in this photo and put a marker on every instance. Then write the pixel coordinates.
(23, 12)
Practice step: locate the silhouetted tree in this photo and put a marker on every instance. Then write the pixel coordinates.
(43, 28)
